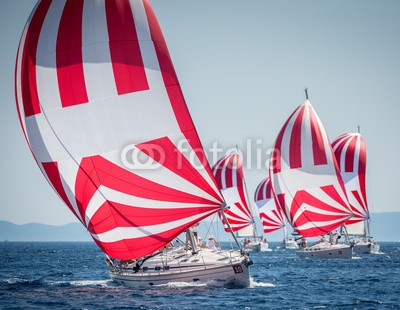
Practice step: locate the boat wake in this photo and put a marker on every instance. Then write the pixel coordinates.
(82, 283)
(181, 284)
(254, 284)
(102, 283)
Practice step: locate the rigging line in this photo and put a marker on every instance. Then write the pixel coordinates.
(222, 212)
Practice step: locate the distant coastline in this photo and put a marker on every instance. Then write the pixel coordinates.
(384, 227)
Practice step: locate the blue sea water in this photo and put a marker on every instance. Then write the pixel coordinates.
(74, 276)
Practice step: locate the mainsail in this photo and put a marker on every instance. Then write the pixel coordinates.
(351, 156)
(305, 177)
(228, 172)
(104, 116)
(270, 214)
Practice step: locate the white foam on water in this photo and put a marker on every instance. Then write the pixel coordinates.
(181, 284)
(101, 283)
(16, 280)
(254, 284)
(356, 257)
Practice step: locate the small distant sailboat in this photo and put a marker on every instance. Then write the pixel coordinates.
(351, 156)
(307, 183)
(103, 113)
(271, 216)
(228, 173)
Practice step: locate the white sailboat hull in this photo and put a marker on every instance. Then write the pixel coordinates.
(211, 267)
(365, 247)
(257, 246)
(332, 251)
(290, 244)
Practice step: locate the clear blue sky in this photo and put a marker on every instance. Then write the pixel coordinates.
(242, 67)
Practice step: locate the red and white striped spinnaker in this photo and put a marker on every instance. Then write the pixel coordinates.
(228, 173)
(270, 213)
(98, 97)
(351, 156)
(305, 177)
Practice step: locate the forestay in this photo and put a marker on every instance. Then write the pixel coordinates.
(304, 175)
(98, 97)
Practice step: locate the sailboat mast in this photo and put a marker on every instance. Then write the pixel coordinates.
(306, 91)
(223, 206)
(248, 200)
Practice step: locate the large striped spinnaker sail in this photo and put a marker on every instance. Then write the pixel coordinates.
(305, 177)
(228, 173)
(351, 156)
(270, 213)
(97, 96)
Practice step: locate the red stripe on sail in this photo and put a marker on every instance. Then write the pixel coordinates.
(331, 191)
(357, 196)
(319, 152)
(260, 191)
(275, 163)
(295, 141)
(227, 175)
(70, 75)
(95, 171)
(306, 216)
(127, 249)
(173, 89)
(338, 151)
(234, 219)
(268, 190)
(362, 163)
(350, 153)
(53, 175)
(166, 153)
(126, 57)
(280, 202)
(113, 213)
(30, 97)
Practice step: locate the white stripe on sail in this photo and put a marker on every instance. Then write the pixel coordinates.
(121, 233)
(46, 66)
(234, 169)
(285, 145)
(97, 64)
(104, 193)
(140, 18)
(306, 207)
(162, 176)
(317, 224)
(18, 72)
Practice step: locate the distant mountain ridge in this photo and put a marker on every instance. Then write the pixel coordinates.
(384, 227)
(42, 232)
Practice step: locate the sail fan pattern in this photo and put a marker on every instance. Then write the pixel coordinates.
(95, 87)
(228, 173)
(305, 177)
(270, 214)
(351, 156)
